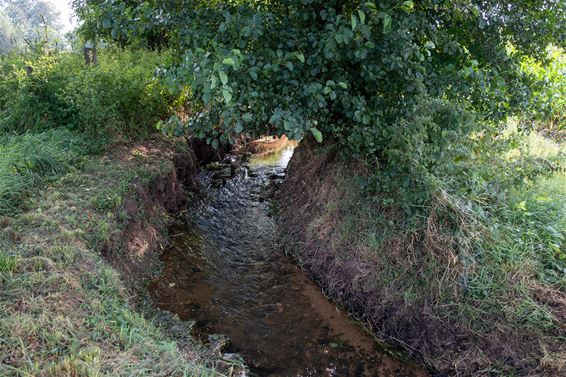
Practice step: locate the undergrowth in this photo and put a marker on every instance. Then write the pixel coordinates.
(117, 98)
(473, 282)
(55, 111)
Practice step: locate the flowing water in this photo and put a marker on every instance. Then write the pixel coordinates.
(227, 273)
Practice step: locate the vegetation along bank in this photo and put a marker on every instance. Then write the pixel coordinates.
(426, 195)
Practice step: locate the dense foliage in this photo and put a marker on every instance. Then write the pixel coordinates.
(119, 96)
(400, 81)
(358, 71)
(64, 110)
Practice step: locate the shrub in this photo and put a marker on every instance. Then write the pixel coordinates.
(118, 97)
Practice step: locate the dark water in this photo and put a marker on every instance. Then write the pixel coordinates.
(229, 275)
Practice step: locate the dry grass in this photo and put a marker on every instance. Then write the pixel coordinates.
(430, 290)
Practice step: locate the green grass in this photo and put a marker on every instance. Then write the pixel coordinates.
(64, 310)
(475, 284)
(31, 160)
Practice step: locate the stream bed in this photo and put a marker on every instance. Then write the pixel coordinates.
(227, 273)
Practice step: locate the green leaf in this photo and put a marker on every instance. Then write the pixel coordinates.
(223, 77)
(228, 61)
(362, 16)
(247, 117)
(253, 74)
(227, 95)
(317, 134)
(354, 22)
(106, 22)
(343, 85)
(206, 97)
(407, 5)
(386, 22)
(301, 57)
(430, 45)
(214, 82)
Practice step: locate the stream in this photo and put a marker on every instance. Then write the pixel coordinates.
(227, 272)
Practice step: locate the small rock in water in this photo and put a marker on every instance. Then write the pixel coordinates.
(217, 183)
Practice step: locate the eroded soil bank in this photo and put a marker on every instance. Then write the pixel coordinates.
(227, 273)
(405, 284)
(73, 266)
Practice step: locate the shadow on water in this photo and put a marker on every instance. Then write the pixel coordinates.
(229, 275)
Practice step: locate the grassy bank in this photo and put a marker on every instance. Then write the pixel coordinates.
(474, 286)
(55, 111)
(65, 310)
(87, 193)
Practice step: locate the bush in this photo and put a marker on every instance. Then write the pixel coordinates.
(118, 97)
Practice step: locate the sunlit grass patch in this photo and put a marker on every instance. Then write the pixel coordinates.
(28, 161)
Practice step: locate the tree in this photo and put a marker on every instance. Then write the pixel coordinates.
(395, 80)
(9, 38)
(31, 22)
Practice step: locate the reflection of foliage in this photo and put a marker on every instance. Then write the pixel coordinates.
(28, 24)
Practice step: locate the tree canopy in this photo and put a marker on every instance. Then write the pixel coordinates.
(378, 77)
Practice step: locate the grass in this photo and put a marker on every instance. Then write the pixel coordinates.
(477, 286)
(64, 309)
(31, 160)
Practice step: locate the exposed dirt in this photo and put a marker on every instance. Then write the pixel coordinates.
(147, 208)
(372, 283)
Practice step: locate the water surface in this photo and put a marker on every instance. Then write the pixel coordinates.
(228, 273)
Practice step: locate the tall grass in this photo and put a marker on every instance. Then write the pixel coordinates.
(29, 160)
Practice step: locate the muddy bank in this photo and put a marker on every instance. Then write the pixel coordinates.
(148, 207)
(228, 274)
(405, 284)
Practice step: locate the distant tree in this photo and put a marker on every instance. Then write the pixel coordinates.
(9, 37)
(28, 23)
